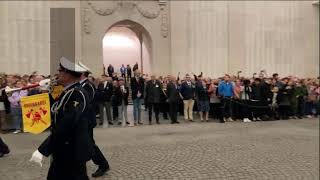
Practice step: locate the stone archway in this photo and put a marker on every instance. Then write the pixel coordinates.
(142, 44)
(150, 17)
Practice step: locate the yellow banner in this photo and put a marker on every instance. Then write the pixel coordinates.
(36, 113)
(57, 91)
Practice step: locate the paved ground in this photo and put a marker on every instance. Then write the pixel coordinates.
(258, 150)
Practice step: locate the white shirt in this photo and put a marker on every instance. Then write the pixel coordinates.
(105, 84)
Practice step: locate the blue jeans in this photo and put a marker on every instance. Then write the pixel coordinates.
(16, 115)
(137, 109)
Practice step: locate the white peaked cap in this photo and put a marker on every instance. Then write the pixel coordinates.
(71, 66)
(84, 67)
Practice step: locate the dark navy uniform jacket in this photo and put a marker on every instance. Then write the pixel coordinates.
(91, 90)
(69, 138)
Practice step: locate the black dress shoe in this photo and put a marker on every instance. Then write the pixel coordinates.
(99, 172)
(1, 154)
(127, 122)
(110, 123)
(177, 122)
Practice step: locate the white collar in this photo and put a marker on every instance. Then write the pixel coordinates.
(83, 80)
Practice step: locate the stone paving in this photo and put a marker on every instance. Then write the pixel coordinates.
(279, 150)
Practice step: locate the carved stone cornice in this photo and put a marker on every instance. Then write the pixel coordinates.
(150, 13)
(164, 25)
(103, 11)
(86, 20)
(119, 4)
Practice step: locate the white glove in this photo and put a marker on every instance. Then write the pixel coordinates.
(37, 158)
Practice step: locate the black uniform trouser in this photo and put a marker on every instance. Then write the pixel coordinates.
(3, 147)
(173, 109)
(156, 109)
(97, 156)
(66, 169)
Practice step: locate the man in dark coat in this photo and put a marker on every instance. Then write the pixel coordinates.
(259, 98)
(187, 91)
(104, 94)
(153, 93)
(110, 70)
(173, 99)
(129, 72)
(97, 156)
(69, 142)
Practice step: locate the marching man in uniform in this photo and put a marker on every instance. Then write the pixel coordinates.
(69, 143)
(97, 156)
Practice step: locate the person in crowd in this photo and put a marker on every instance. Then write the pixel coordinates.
(236, 105)
(173, 99)
(15, 106)
(311, 109)
(274, 103)
(300, 93)
(38, 90)
(153, 93)
(137, 90)
(104, 93)
(124, 104)
(225, 89)
(187, 91)
(284, 100)
(245, 95)
(146, 79)
(114, 76)
(97, 156)
(164, 106)
(202, 94)
(123, 71)
(4, 105)
(116, 100)
(135, 67)
(259, 99)
(69, 142)
(110, 70)
(215, 103)
(129, 72)
(278, 83)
